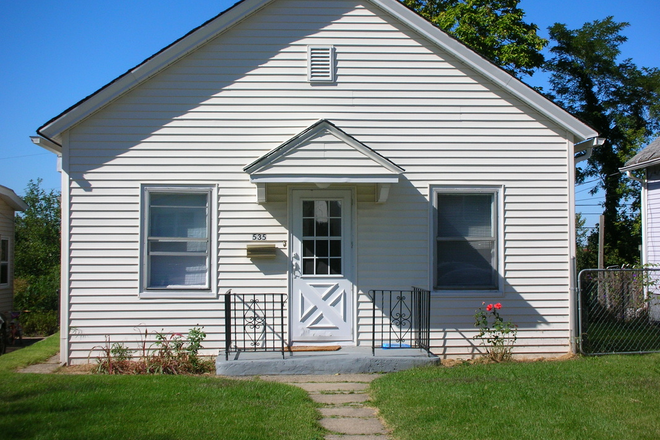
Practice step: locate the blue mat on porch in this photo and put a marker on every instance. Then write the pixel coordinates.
(348, 360)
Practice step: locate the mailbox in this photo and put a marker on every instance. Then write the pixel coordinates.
(261, 250)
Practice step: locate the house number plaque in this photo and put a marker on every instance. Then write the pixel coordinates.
(258, 237)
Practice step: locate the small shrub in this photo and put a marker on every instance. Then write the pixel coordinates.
(170, 354)
(496, 334)
(39, 323)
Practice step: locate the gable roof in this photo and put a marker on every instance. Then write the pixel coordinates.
(53, 129)
(304, 158)
(11, 199)
(649, 156)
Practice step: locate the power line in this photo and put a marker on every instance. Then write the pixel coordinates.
(26, 155)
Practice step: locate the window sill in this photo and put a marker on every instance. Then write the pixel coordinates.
(178, 294)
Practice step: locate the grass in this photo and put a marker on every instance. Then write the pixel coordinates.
(610, 397)
(58, 406)
(608, 337)
(34, 354)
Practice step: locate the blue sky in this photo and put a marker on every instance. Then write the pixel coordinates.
(57, 52)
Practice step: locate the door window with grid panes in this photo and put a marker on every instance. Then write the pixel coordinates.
(322, 237)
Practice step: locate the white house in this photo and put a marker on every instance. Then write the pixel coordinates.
(358, 145)
(647, 162)
(9, 204)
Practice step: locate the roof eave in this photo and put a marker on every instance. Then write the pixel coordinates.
(10, 197)
(640, 165)
(152, 65)
(70, 117)
(579, 129)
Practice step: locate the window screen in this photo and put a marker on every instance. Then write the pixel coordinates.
(4, 261)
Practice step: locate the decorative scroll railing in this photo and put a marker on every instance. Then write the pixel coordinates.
(255, 322)
(401, 319)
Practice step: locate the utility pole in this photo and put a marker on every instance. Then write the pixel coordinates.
(601, 242)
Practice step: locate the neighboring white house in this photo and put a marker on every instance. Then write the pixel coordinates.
(648, 162)
(369, 148)
(9, 204)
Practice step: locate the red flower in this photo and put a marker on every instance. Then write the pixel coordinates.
(489, 307)
(498, 306)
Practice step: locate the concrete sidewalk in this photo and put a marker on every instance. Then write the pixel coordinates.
(345, 410)
(50, 366)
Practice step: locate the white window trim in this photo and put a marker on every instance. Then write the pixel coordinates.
(498, 191)
(7, 261)
(178, 292)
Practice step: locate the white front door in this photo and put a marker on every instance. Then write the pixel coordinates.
(321, 299)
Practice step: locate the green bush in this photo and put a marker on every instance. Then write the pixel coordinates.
(39, 323)
(37, 293)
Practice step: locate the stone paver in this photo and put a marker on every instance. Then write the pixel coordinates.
(332, 387)
(339, 399)
(344, 414)
(347, 411)
(351, 425)
(355, 437)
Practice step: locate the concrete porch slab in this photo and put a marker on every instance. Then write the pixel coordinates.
(348, 360)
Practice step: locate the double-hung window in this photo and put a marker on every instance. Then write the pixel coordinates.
(4, 261)
(466, 239)
(177, 238)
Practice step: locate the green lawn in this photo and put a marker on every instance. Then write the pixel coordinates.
(57, 406)
(609, 337)
(611, 397)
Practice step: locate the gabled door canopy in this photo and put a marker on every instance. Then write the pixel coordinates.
(323, 154)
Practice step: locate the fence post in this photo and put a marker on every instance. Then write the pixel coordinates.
(227, 323)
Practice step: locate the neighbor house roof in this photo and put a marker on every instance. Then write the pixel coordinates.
(54, 128)
(11, 199)
(647, 157)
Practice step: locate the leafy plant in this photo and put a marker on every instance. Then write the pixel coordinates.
(495, 333)
(169, 354)
(40, 323)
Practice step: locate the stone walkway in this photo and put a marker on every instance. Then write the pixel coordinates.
(49, 366)
(345, 413)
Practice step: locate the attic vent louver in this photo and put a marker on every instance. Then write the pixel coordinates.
(321, 64)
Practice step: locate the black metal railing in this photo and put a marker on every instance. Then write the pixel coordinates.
(255, 322)
(401, 319)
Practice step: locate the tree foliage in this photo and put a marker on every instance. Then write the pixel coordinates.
(37, 250)
(622, 103)
(494, 28)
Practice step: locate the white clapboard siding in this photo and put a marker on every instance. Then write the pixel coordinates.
(652, 218)
(204, 118)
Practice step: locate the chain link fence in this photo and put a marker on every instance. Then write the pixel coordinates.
(619, 311)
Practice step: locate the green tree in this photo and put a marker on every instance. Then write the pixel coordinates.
(37, 253)
(494, 28)
(622, 103)
(37, 249)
